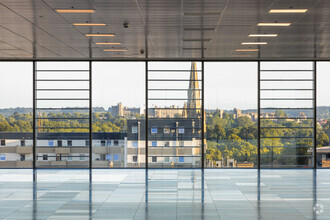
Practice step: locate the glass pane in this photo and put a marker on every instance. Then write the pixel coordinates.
(16, 95)
(62, 114)
(286, 114)
(174, 114)
(231, 114)
(118, 114)
(323, 115)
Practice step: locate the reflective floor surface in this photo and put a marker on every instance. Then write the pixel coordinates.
(165, 194)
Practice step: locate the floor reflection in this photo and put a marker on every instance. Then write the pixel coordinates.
(165, 194)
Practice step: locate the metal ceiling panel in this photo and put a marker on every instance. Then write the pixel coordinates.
(35, 29)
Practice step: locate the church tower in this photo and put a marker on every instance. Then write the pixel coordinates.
(194, 94)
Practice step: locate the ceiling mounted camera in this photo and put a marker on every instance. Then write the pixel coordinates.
(126, 25)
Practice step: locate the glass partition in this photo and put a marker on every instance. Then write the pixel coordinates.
(16, 104)
(287, 114)
(323, 115)
(118, 114)
(231, 92)
(173, 97)
(174, 115)
(62, 114)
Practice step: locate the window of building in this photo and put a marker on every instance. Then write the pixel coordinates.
(115, 142)
(167, 159)
(44, 157)
(109, 157)
(134, 158)
(51, 143)
(116, 157)
(82, 157)
(108, 142)
(154, 143)
(166, 144)
(22, 143)
(153, 130)
(59, 143)
(154, 159)
(181, 159)
(58, 157)
(3, 142)
(134, 129)
(69, 158)
(181, 144)
(135, 144)
(22, 157)
(87, 143)
(181, 130)
(103, 143)
(2, 157)
(167, 130)
(70, 143)
(102, 157)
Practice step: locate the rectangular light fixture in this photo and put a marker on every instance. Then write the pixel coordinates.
(274, 24)
(75, 10)
(254, 43)
(288, 10)
(247, 50)
(107, 43)
(115, 50)
(89, 24)
(99, 35)
(263, 35)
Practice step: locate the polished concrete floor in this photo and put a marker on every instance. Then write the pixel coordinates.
(165, 194)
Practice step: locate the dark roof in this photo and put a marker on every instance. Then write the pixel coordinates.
(62, 135)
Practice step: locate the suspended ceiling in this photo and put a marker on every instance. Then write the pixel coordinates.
(164, 29)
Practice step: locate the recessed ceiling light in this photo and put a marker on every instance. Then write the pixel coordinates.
(115, 50)
(89, 24)
(99, 35)
(108, 43)
(274, 24)
(75, 10)
(254, 43)
(247, 50)
(288, 10)
(263, 35)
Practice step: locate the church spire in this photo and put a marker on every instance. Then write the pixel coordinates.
(194, 95)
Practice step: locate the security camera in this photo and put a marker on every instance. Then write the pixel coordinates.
(141, 51)
(126, 25)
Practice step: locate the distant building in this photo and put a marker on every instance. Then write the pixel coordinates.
(322, 156)
(62, 150)
(237, 113)
(172, 142)
(117, 110)
(121, 111)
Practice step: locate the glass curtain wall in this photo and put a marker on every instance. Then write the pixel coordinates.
(323, 115)
(174, 130)
(287, 114)
(231, 94)
(62, 114)
(16, 104)
(118, 114)
(174, 127)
